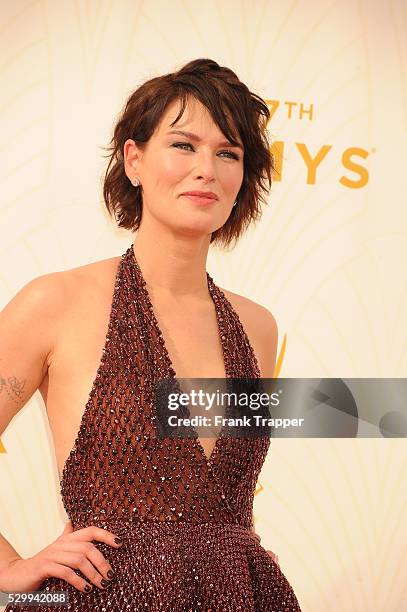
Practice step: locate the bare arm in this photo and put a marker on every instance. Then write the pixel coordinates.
(268, 352)
(268, 342)
(252, 529)
(27, 328)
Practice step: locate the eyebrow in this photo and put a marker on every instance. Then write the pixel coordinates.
(225, 143)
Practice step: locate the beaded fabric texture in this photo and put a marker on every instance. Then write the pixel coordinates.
(185, 520)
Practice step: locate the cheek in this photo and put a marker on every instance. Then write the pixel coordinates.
(171, 169)
(232, 179)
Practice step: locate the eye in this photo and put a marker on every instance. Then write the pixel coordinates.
(188, 144)
(181, 144)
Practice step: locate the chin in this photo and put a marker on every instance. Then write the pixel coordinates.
(197, 230)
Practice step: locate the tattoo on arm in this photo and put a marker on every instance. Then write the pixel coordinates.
(13, 387)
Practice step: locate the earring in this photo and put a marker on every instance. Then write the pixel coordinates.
(235, 204)
(136, 182)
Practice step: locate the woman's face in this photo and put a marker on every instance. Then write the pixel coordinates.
(172, 164)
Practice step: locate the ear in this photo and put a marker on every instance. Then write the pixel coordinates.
(132, 155)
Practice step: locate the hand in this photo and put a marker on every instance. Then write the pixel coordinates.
(72, 549)
(273, 556)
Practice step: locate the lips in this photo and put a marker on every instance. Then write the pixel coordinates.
(201, 194)
(199, 200)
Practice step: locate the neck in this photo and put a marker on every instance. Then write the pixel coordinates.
(172, 270)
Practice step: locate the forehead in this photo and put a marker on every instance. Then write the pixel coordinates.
(195, 113)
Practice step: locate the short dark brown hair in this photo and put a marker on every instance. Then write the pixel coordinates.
(232, 106)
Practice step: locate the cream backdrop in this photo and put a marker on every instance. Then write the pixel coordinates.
(327, 258)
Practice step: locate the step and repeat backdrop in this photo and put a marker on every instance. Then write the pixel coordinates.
(327, 257)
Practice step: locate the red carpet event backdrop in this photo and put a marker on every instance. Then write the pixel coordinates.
(327, 258)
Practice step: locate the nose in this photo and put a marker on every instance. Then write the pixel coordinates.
(205, 168)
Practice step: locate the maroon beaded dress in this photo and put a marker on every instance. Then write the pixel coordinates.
(185, 520)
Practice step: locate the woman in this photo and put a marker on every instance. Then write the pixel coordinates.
(188, 168)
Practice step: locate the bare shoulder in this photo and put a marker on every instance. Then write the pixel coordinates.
(101, 272)
(261, 328)
(59, 293)
(70, 283)
(258, 316)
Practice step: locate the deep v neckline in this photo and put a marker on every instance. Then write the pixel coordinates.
(213, 291)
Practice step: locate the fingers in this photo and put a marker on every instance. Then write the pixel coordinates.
(90, 561)
(75, 550)
(67, 573)
(67, 561)
(97, 533)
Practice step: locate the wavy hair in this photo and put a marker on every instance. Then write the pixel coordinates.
(225, 96)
